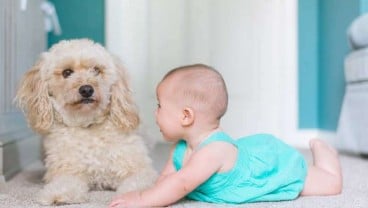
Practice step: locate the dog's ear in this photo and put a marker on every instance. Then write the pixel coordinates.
(123, 111)
(32, 97)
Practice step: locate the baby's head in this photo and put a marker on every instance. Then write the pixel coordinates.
(199, 87)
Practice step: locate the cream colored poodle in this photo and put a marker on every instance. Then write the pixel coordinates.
(77, 97)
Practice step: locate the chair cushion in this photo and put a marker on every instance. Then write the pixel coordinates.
(356, 66)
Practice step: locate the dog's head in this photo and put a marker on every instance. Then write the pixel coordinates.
(77, 83)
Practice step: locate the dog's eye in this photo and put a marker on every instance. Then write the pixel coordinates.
(97, 70)
(67, 72)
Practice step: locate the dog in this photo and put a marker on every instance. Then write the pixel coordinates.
(77, 98)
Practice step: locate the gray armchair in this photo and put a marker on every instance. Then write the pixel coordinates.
(352, 131)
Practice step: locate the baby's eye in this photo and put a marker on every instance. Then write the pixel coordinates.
(158, 105)
(67, 72)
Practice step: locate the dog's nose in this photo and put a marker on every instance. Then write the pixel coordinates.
(86, 91)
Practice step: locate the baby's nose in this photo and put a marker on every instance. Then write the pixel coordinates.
(86, 91)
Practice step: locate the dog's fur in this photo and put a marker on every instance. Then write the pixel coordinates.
(89, 141)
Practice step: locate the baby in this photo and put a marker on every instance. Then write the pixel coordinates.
(206, 164)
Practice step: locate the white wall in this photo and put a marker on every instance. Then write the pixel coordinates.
(252, 43)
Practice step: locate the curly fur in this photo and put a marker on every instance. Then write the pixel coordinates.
(89, 144)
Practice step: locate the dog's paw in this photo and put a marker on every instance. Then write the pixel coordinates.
(66, 190)
(47, 198)
(138, 181)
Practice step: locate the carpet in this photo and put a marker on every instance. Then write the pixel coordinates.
(20, 191)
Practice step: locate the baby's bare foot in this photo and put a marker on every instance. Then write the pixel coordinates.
(317, 145)
(325, 157)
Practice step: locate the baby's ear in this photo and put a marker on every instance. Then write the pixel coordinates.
(32, 97)
(187, 117)
(123, 112)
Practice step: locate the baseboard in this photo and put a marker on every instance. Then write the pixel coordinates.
(301, 137)
(19, 153)
(19, 146)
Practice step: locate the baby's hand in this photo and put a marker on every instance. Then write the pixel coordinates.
(131, 199)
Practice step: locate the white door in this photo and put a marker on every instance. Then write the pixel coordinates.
(251, 42)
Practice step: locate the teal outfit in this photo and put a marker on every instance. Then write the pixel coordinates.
(266, 170)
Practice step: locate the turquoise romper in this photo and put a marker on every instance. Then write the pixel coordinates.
(266, 170)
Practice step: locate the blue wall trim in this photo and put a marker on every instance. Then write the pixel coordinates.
(335, 18)
(80, 19)
(322, 48)
(308, 63)
(363, 6)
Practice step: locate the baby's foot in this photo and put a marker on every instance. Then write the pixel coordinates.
(319, 145)
(325, 157)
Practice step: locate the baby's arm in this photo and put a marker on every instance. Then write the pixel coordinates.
(176, 185)
(169, 167)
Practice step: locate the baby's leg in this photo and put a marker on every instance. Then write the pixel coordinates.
(324, 176)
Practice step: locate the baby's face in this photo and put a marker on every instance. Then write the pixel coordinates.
(168, 113)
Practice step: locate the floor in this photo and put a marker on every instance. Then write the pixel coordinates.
(20, 191)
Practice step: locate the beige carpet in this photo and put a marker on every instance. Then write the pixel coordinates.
(20, 191)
